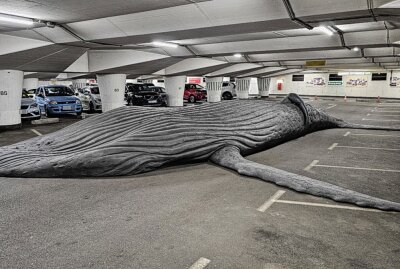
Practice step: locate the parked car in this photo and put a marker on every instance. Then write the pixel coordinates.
(137, 94)
(90, 98)
(194, 92)
(29, 108)
(57, 99)
(228, 90)
(31, 93)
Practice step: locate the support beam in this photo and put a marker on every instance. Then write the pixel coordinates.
(263, 86)
(112, 90)
(30, 83)
(174, 87)
(214, 88)
(11, 82)
(79, 83)
(242, 88)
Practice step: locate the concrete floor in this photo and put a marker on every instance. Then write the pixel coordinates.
(172, 217)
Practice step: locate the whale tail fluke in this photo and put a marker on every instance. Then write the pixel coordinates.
(231, 158)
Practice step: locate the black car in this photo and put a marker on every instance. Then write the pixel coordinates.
(137, 94)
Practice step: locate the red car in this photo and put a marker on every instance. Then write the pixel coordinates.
(194, 92)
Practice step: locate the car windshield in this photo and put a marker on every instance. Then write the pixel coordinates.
(58, 91)
(25, 94)
(95, 90)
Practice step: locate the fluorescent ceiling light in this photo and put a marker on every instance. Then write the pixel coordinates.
(14, 19)
(164, 44)
(356, 49)
(326, 30)
(237, 55)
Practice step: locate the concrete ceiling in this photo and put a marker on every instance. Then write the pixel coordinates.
(273, 36)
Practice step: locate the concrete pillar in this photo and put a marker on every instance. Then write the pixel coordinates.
(112, 90)
(11, 82)
(263, 86)
(214, 88)
(79, 83)
(174, 87)
(242, 88)
(30, 83)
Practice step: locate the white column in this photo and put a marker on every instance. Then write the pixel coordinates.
(79, 83)
(30, 83)
(112, 90)
(242, 88)
(263, 86)
(214, 88)
(174, 87)
(11, 82)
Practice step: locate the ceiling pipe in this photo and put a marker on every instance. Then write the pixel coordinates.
(293, 17)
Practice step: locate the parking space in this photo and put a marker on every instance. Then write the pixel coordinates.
(204, 216)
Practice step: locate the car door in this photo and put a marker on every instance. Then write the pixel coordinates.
(40, 99)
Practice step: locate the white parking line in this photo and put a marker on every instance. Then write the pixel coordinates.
(311, 165)
(378, 120)
(332, 106)
(383, 135)
(351, 147)
(36, 132)
(270, 201)
(333, 146)
(357, 168)
(200, 263)
(347, 133)
(384, 115)
(328, 205)
(385, 111)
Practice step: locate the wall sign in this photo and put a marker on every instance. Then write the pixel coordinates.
(395, 81)
(335, 83)
(356, 81)
(316, 81)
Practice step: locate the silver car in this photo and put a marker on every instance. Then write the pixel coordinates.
(90, 98)
(29, 107)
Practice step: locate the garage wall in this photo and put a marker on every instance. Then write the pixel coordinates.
(373, 88)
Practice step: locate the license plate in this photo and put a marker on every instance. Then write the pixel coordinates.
(66, 108)
(153, 102)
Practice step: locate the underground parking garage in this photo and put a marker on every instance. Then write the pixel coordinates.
(200, 134)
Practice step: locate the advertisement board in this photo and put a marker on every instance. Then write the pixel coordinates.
(356, 81)
(317, 80)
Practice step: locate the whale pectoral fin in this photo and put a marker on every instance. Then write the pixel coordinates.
(293, 98)
(231, 158)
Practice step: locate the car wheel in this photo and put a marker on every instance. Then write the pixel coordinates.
(47, 113)
(227, 96)
(192, 99)
(91, 107)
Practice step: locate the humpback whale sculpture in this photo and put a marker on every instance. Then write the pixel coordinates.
(133, 140)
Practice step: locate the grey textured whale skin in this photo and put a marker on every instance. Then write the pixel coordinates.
(133, 140)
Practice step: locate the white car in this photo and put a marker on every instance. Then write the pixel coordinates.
(90, 98)
(228, 90)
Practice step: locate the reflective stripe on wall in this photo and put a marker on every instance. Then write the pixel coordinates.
(263, 86)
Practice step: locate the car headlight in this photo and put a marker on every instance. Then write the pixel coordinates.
(78, 102)
(138, 96)
(53, 102)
